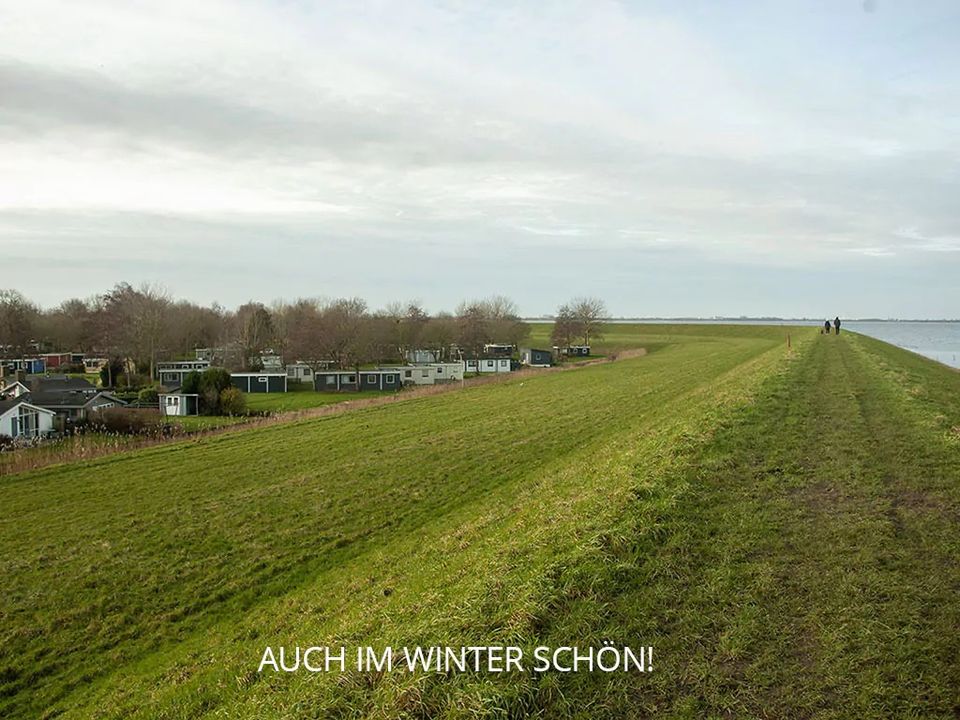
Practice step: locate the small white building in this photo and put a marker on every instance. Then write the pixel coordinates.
(300, 372)
(487, 365)
(12, 388)
(94, 364)
(179, 404)
(419, 356)
(18, 418)
(429, 373)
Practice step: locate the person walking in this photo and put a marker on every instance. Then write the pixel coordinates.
(836, 325)
(826, 327)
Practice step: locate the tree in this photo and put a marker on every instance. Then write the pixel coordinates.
(110, 371)
(591, 316)
(191, 326)
(439, 333)
(133, 322)
(304, 333)
(18, 321)
(342, 322)
(232, 402)
(378, 338)
(505, 325)
(566, 327)
(254, 330)
(473, 331)
(212, 383)
(70, 326)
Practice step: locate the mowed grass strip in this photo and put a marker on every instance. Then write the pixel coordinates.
(809, 568)
(108, 562)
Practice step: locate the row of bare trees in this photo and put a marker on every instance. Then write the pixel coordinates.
(145, 324)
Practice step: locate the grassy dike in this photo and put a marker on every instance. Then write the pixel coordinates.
(780, 525)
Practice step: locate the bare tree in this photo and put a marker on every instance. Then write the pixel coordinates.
(566, 327)
(254, 332)
(18, 321)
(505, 325)
(591, 315)
(438, 333)
(342, 322)
(473, 330)
(70, 326)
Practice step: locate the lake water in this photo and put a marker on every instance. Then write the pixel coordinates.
(937, 340)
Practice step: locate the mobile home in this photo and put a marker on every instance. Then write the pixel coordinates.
(536, 358)
(487, 365)
(354, 381)
(260, 382)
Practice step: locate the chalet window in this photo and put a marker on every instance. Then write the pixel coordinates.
(331, 380)
(388, 379)
(408, 373)
(351, 378)
(424, 373)
(371, 379)
(439, 371)
(262, 379)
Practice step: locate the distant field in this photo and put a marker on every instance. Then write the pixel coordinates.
(780, 524)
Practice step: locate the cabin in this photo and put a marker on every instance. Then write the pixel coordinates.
(536, 358)
(177, 404)
(261, 382)
(11, 388)
(31, 366)
(498, 350)
(300, 372)
(22, 419)
(572, 350)
(420, 357)
(71, 399)
(487, 365)
(416, 374)
(94, 364)
(271, 362)
(429, 373)
(354, 381)
(53, 361)
(172, 374)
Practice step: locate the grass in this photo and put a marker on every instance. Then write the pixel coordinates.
(304, 399)
(779, 524)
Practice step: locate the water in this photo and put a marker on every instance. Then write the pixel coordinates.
(937, 340)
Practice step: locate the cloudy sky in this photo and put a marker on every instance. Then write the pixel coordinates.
(674, 158)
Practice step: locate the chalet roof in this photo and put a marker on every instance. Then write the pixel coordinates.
(65, 398)
(60, 383)
(7, 405)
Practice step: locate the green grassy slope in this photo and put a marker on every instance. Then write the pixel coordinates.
(766, 519)
(304, 399)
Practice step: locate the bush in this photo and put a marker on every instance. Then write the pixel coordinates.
(148, 396)
(213, 381)
(126, 421)
(232, 401)
(191, 383)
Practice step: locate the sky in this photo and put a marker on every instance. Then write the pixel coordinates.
(797, 159)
